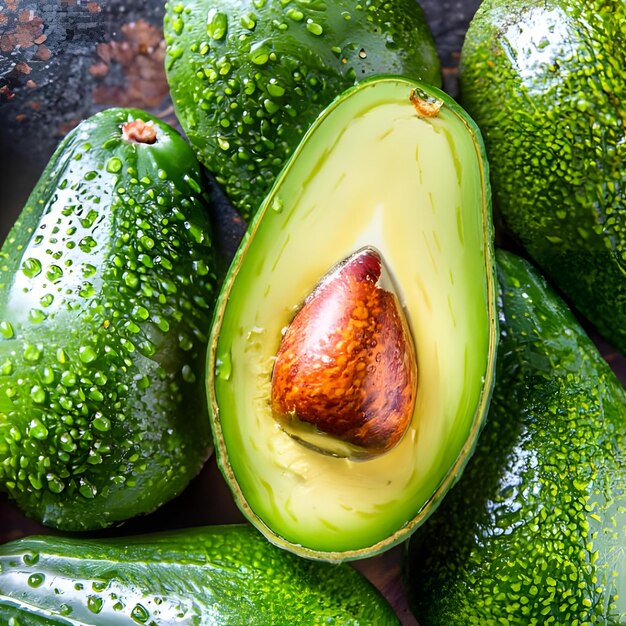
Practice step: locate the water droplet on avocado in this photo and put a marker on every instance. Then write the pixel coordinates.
(188, 374)
(295, 14)
(87, 490)
(68, 378)
(114, 165)
(32, 352)
(177, 25)
(87, 290)
(36, 580)
(55, 484)
(224, 366)
(248, 20)
(274, 89)
(193, 183)
(38, 396)
(31, 267)
(314, 28)
(101, 423)
(140, 614)
(6, 329)
(196, 232)
(87, 354)
(36, 316)
(217, 24)
(277, 204)
(259, 54)
(94, 604)
(31, 559)
(46, 300)
(53, 273)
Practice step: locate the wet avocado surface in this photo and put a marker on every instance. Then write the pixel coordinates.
(540, 540)
(544, 81)
(106, 286)
(248, 77)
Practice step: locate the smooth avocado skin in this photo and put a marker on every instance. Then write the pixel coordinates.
(107, 283)
(533, 533)
(248, 77)
(545, 83)
(397, 165)
(227, 575)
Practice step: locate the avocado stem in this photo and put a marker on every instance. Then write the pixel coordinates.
(139, 131)
(424, 108)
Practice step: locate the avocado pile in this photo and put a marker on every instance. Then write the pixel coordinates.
(370, 371)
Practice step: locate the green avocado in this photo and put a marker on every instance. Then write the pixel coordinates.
(534, 532)
(544, 80)
(392, 174)
(226, 575)
(248, 77)
(107, 284)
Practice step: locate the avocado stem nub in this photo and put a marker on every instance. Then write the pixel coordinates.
(424, 108)
(139, 131)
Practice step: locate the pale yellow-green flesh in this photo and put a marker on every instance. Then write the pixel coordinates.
(373, 173)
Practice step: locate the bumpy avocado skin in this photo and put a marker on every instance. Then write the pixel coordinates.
(534, 531)
(107, 283)
(248, 77)
(545, 82)
(226, 575)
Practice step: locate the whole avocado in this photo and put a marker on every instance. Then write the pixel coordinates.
(226, 575)
(248, 77)
(533, 534)
(544, 80)
(107, 283)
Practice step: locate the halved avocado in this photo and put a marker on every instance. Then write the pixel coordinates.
(393, 169)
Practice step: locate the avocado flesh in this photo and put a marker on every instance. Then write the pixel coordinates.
(542, 540)
(544, 81)
(371, 171)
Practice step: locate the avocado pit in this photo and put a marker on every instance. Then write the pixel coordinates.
(345, 376)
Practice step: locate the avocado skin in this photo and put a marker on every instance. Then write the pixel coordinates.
(213, 575)
(544, 81)
(106, 290)
(534, 530)
(246, 90)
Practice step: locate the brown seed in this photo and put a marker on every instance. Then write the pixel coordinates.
(347, 363)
